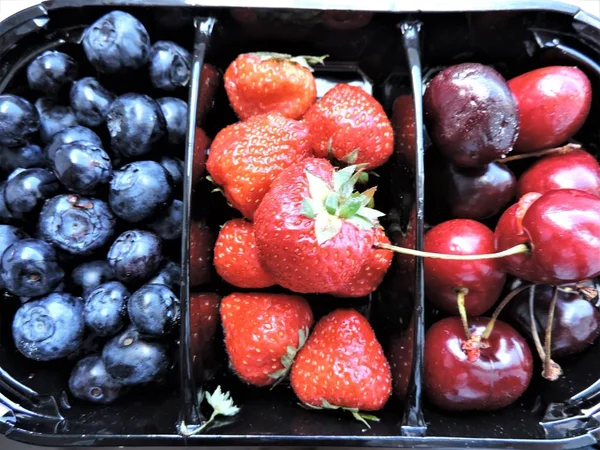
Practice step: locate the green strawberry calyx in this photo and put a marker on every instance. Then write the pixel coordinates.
(330, 206)
(288, 358)
(358, 415)
(305, 61)
(222, 405)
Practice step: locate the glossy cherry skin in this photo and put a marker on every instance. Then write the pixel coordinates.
(562, 227)
(471, 114)
(576, 323)
(483, 279)
(470, 192)
(496, 379)
(576, 169)
(553, 104)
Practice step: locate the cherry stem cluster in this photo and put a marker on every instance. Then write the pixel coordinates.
(505, 301)
(516, 250)
(550, 151)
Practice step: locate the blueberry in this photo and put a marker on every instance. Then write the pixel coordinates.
(30, 268)
(49, 328)
(106, 308)
(9, 235)
(154, 310)
(169, 275)
(88, 276)
(130, 359)
(26, 189)
(175, 168)
(175, 112)
(68, 135)
(116, 42)
(135, 255)
(75, 224)
(19, 120)
(91, 382)
(170, 65)
(50, 71)
(139, 190)
(168, 223)
(5, 215)
(82, 167)
(53, 118)
(29, 155)
(90, 101)
(135, 122)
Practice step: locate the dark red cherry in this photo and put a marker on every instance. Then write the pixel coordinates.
(562, 228)
(471, 114)
(496, 379)
(481, 280)
(470, 192)
(576, 169)
(553, 104)
(576, 323)
(400, 355)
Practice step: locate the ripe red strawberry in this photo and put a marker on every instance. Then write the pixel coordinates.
(210, 77)
(350, 125)
(202, 241)
(258, 83)
(312, 231)
(263, 333)
(246, 157)
(342, 365)
(201, 145)
(372, 272)
(403, 123)
(204, 318)
(236, 257)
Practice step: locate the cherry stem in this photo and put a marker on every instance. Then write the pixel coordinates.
(551, 370)
(534, 329)
(460, 302)
(516, 250)
(560, 150)
(512, 294)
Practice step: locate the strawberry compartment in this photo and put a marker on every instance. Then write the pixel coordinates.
(373, 57)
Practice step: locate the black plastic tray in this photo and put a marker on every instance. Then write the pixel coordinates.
(393, 54)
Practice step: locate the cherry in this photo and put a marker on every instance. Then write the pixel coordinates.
(471, 114)
(494, 380)
(575, 169)
(576, 323)
(562, 229)
(479, 281)
(470, 192)
(553, 103)
(204, 319)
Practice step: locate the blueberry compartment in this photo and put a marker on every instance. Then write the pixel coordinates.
(393, 54)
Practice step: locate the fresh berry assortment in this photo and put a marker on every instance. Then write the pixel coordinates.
(291, 234)
(91, 208)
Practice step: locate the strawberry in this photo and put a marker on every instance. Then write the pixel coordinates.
(403, 123)
(246, 157)
(312, 232)
(401, 359)
(201, 145)
(202, 241)
(210, 78)
(204, 318)
(263, 333)
(342, 365)
(236, 257)
(372, 272)
(258, 83)
(350, 125)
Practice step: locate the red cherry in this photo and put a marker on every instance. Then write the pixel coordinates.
(202, 242)
(496, 379)
(562, 227)
(201, 145)
(576, 169)
(576, 323)
(204, 319)
(481, 280)
(403, 123)
(553, 104)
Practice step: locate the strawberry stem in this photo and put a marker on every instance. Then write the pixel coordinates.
(460, 302)
(516, 250)
(559, 150)
(358, 415)
(490, 326)
(552, 370)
